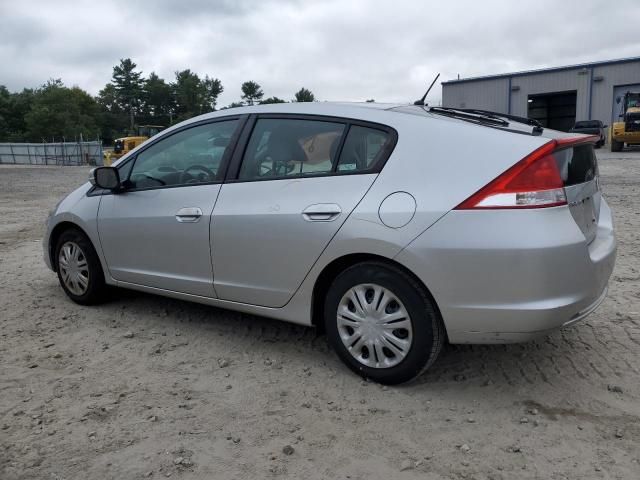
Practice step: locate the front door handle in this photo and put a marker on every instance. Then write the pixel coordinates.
(188, 215)
(321, 212)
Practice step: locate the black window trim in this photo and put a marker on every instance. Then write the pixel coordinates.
(224, 162)
(233, 170)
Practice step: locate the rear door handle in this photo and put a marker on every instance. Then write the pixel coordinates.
(188, 215)
(321, 212)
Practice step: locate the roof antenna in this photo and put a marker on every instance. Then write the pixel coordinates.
(424, 97)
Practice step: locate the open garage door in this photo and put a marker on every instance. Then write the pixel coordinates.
(555, 110)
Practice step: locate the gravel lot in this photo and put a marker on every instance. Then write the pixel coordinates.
(145, 386)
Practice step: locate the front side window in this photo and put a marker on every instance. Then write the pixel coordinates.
(188, 157)
(290, 147)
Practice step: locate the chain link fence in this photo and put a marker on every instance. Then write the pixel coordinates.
(65, 153)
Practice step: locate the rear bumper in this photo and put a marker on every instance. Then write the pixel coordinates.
(511, 276)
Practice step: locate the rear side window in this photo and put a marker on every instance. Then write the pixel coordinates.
(290, 147)
(577, 164)
(280, 148)
(363, 148)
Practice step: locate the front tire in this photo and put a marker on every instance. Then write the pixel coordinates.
(382, 323)
(616, 146)
(79, 270)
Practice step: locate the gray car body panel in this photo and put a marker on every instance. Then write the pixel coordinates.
(135, 226)
(276, 245)
(496, 275)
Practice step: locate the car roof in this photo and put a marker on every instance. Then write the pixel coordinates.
(386, 113)
(310, 108)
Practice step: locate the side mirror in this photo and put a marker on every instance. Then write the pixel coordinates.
(605, 126)
(106, 177)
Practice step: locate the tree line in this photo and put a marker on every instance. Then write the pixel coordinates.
(54, 111)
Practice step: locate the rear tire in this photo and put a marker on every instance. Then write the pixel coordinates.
(360, 336)
(79, 269)
(616, 146)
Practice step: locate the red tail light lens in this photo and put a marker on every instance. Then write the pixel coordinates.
(533, 182)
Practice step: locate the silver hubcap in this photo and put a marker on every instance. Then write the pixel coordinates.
(374, 326)
(74, 269)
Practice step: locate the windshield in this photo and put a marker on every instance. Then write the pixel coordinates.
(633, 100)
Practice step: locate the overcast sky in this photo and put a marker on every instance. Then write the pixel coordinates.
(388, 50)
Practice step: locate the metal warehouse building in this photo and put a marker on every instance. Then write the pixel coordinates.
(557, 97)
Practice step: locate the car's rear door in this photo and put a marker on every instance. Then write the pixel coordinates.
(289, 192)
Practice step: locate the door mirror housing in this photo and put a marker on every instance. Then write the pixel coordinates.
(106, 177)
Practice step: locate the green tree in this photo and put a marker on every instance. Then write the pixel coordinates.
(113, 121)
(61, 112)
(194, 96)
(304, 95)
(272, 100)
(13, 109)
(212, 88)
(234, 105)
(158, 100)
(108, 98)
(5, 102)
(128, 85)
(187, 91)
(251, 92)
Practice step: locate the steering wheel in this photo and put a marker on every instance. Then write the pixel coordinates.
(186, 177)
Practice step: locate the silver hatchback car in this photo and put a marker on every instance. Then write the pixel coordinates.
(393, 227)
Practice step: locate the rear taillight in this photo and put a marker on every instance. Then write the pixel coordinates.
(533, 182)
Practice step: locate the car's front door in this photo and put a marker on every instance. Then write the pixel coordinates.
(297, 182)
(156, 232)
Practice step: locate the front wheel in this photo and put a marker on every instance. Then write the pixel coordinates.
(382, 323)
(616, 146)
(79, 270)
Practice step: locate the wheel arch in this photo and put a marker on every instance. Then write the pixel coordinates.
(335, 267)
(55, 235)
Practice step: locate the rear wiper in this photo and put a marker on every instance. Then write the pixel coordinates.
(489, 118)
(470, 115)
(515, 118)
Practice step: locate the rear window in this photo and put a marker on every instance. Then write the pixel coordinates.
(588, 124)
(577, 164)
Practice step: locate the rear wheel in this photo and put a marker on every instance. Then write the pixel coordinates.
(382, 323)
(616, 146)
(79, 270)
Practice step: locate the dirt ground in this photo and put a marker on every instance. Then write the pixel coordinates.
(145, 386)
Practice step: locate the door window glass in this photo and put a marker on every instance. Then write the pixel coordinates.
(290, 147)
(188, 157)
(362, 148)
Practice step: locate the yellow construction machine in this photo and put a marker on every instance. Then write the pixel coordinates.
(123, 145)
(628, 130)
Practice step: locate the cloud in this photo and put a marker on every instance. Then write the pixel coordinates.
(341, 50)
